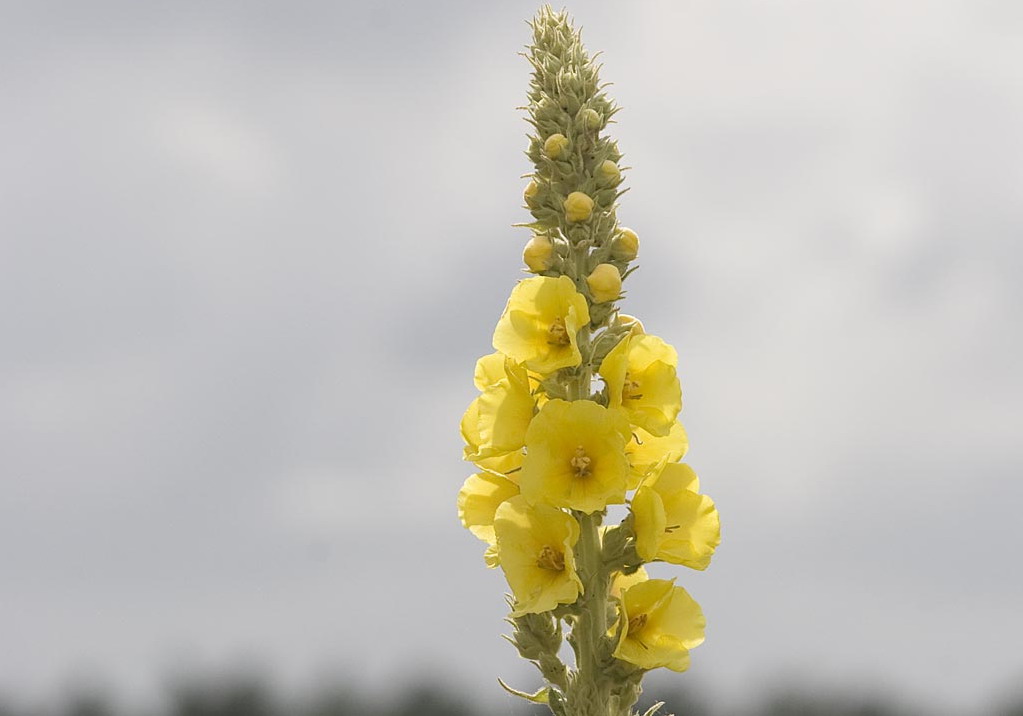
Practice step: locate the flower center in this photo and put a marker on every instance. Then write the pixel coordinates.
(557, 334)
(550, 559)
(580, 463)
(630, 391)
(637, 623)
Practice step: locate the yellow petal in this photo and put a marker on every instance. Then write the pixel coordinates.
(649, 522)
(647, 452)
(613, 369)
(505, 411)
(504, 465)
(680, 618)
(478, 500)
(620, 582)
(647, 349)
(489, 370)
(693, 528)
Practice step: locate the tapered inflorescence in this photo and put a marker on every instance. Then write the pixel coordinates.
(577, 411)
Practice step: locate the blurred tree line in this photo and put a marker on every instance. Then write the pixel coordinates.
(253, 697)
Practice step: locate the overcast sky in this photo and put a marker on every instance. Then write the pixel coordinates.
(249, 253)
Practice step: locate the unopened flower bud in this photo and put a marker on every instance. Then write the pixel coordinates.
(605, 283)
(608, 172)
(531, 190)
(578, 206)
(625, 246)
(538, 253)
(634, 325)
(555, 146)
(590, 118)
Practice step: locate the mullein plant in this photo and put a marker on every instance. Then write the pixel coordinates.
(578, 411)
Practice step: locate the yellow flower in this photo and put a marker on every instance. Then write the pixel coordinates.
(502, 412)
(641, 379)
(648, 452)
(608, 172)
(555, 145)
(538, 253)
(625, 246)
(658, 624)
(478, 500)
(539, 325)
(673, 522)
(605, 283)
(578, 206)
(575, 456)
(535, 549)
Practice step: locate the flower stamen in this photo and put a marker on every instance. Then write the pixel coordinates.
(580, 463)
(630, 390)
(557, 333)
(637, 623)
(550, 559)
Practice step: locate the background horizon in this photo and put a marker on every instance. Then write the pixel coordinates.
(249, 255)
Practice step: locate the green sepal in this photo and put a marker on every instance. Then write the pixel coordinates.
(653, 709)
(540, 696)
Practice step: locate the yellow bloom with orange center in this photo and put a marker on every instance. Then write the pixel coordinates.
(575, 456)
(673, 521)
(658, 624)
(539, 325)
(535, 546)
(641, 380)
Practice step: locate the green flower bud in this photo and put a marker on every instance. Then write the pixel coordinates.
(608, 172)
(530, 192)
(590, 118)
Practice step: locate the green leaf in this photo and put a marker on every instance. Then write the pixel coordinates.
(541, 696)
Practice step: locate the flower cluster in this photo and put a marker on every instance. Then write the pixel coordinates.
(578, 411)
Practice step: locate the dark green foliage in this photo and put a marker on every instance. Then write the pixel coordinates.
(254, 697)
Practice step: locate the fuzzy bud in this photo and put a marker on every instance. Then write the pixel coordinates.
(530, 192)
(605, 283)
(625, 246)
(578, 206)
(590, 118)
(556, 146)
(608, 172)
(538, 253)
